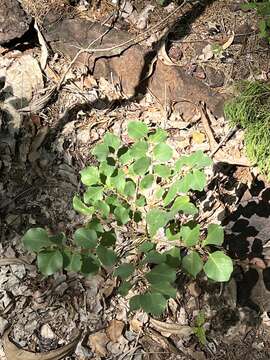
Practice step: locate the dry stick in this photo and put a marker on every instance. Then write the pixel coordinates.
(125, 44)
(213, 143)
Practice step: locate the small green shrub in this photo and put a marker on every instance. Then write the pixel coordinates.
(263, 11)
(250, 109)
(141, 193)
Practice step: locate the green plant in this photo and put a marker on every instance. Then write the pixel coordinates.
(198, 329)
(263, 11)
(140, 192)
(250, 109)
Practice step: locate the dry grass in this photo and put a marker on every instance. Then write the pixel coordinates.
(39, 9)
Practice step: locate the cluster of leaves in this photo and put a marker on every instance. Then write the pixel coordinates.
(250, 109)
(263, 11)
(140, 188)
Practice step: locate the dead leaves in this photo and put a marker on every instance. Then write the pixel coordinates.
(97, 342)
(170, 328)
(13, 352)
(115, 329)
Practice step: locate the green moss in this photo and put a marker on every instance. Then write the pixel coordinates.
(250, 108)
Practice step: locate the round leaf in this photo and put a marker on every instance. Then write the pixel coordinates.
(90, 175)
(147, 181)
(159, 136)
(124, 271)
(137, 130)
(156, 219)
(49, 261)
(161, 273)
(101, 151)
(112, 141)
(103, 208)
(90, 264)
(192, 263)
(92, 194)
(215, 235)
(190, 236)
(162, 170)
(81, 208)
(218, 267)
(141, 166)
(163, 152)
(122, 215)
(153, 303)
(36, 239)
(85, 238)
(139, 149)
(107, 256)
(72, 261)
(130, 188)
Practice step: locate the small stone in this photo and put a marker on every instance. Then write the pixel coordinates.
(46, 332)
(214, 78)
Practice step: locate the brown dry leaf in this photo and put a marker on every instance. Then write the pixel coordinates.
(229, 42)
(98, 342)
(14, 261)
(115, 329)
(135, 325)
(12, 352)
(108, 287)
(170, 328)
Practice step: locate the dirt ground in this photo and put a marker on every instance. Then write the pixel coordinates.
(42, 153)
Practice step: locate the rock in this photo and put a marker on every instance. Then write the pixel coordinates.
(14, 22)
(214, 78)
(67, 35)
(175, 53)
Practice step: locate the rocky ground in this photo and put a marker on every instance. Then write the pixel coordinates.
(54, 109)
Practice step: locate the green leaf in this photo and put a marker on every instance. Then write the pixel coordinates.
(112, 141)
(146, 246)
(215, 235)
(81, 208)
(141, 166)
(107, 256)
(49, 261)
(153, 303)
(90, 264)
(171, 194)
(36, 239)
(137, 130)
(154, 257)
(159, 192)
(198, 180)
(156, 219)
(95, 224)
(103, 208)
(192, 263)
(185, 183)
(117, 180)
(139, 149)
(72, 261)
(57, 239)
(218, 267)
(198, 160)
(92, 194)
(163, 152)
(147, 181)
(124, 156)
(101, 151)
(159, 136)
(182, 203)
(172, 234)
(173, 257)
(162, 170)
(90, 175)
(122, 214)
(107, 167)
(161, 273)
(85, 238)
(130, 188)
(140, 201)
(124, 288)
(164, 288)
(124, 271)
(190, 235)
(108, 238)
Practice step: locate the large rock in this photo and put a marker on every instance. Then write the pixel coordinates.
(14, 22)
(128, 64)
